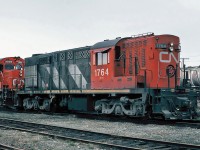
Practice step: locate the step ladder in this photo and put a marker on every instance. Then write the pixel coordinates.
(4, 94)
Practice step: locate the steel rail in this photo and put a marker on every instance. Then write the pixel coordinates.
(180, 123)
(189, 124)
(92, 137)
(7, 147)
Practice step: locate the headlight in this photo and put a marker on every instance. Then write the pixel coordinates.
(179, 47)
(171, 49)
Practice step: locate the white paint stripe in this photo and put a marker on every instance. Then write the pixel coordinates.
(56, 78)
(76, 73)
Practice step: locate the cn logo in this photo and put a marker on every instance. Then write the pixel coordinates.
(169, 58)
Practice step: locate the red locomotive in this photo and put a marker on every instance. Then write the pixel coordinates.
(11, 78)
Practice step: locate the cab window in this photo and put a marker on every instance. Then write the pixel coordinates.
(18, 67)
(99, 58)
(102, 58)
(117, 53)
(1, 67)
(9, 67)
(105, 58)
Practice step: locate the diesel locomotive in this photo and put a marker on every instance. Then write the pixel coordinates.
(137, 76)
(11, 79)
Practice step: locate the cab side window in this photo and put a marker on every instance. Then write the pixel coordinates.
(105, 58)
(1, 67)
(102, 58)
(99, 58)
(117, 53)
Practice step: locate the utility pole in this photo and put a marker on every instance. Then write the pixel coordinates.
(183, 60)
(183, 65)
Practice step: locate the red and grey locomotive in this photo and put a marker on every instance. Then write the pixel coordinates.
(136, 76)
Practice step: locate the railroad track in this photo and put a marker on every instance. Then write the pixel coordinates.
(181, 123)
(7, 147)
(192, 124)
(114, 141)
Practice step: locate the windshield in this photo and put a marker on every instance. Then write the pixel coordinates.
(18, 67)
(9, 66)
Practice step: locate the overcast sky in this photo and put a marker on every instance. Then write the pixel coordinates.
(39, 26)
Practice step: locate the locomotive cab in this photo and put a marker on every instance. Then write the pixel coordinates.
(109, 67)
(11, 78)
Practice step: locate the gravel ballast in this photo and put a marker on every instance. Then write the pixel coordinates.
(157, 132)
(29, 141)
